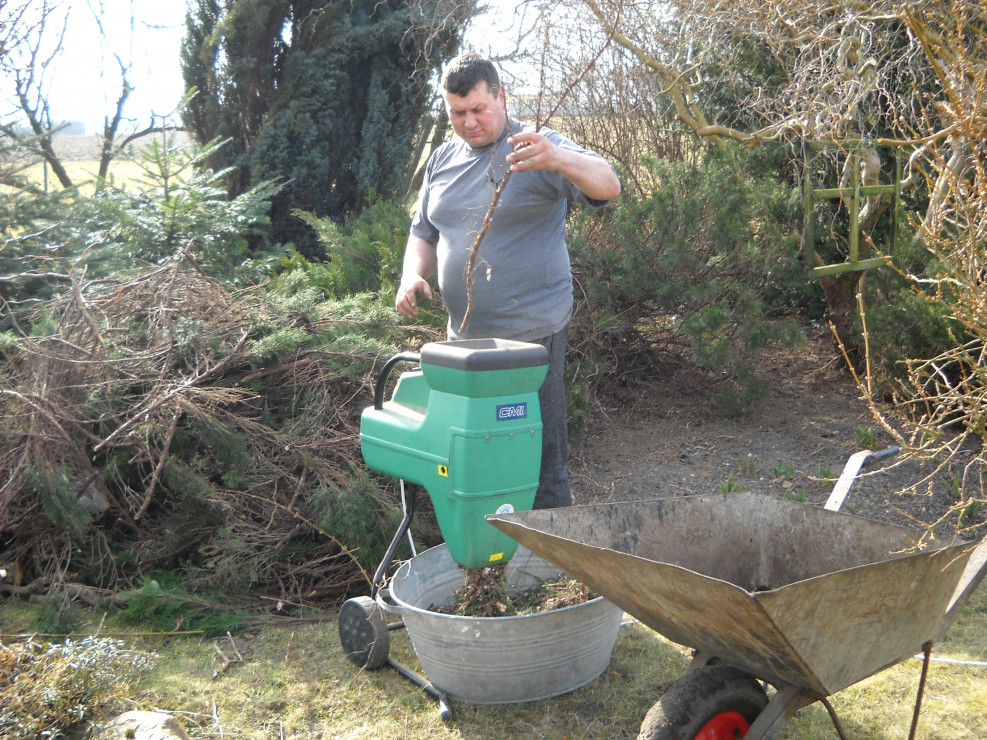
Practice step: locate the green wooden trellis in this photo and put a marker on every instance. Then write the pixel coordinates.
(854, 192)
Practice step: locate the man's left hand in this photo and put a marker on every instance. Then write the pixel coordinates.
(591, 174)
(532, 151)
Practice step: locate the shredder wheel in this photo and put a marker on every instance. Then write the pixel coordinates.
(363, 632)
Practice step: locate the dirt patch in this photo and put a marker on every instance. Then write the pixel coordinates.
(668, 440)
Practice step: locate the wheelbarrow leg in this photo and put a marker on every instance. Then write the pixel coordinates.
(782, 707)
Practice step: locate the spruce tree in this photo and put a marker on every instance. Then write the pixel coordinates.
(324, 97)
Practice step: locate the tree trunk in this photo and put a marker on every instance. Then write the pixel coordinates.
(841, 292)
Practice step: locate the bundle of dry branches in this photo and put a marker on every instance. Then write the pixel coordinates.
(151, 423)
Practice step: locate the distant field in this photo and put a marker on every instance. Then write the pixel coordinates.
(86, 147)
(80, 156)
(123, 174)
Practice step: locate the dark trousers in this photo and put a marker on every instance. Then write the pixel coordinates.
(553, 484)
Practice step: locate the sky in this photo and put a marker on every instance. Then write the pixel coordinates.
(85, 83)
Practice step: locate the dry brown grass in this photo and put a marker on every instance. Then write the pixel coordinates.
(293, 682)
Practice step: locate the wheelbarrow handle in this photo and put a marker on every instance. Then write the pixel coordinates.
(849, 475)
(386, 371)
(880, 454)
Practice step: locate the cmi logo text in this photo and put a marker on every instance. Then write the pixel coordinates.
(512, 411)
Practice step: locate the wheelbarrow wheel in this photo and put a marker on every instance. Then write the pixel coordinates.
(363, 632)
(715, 702)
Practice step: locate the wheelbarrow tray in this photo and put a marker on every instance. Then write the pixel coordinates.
(794, 594)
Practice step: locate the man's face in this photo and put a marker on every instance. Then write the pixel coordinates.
(479, 117)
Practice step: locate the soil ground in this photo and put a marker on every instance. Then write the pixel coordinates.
(668, 440)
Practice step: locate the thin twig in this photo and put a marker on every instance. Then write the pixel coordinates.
(190, 383)
(166, 448)
(227, 662)
(314, 526)
(287, 650)
(488, 217)
(475, 249)
(215, 716)
(80, 303)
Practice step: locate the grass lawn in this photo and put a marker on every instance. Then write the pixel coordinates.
(291, 680)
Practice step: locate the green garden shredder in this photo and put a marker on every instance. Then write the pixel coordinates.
(466, 426)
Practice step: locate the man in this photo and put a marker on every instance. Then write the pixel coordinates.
(521, 283)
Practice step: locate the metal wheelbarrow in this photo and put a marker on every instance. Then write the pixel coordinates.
(768, 590)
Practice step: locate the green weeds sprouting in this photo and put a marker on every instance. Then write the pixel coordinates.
(865, 438)
(783, 471)
(730, 485)
(749, 467)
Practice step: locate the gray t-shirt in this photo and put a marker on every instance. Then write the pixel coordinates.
(522, 283)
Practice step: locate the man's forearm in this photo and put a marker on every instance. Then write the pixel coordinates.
(419, 265)
(420, 259)
(593, 176)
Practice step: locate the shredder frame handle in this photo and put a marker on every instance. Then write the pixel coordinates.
(386, 371)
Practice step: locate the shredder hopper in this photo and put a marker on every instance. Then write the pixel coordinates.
(793, 594)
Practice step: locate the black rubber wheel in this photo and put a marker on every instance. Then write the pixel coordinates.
(363, 632)
(716, 702)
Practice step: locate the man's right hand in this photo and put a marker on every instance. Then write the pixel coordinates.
(406, 301)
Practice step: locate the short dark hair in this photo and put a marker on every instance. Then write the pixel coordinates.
(468, 70)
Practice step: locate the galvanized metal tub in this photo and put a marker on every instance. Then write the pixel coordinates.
(499, 660)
